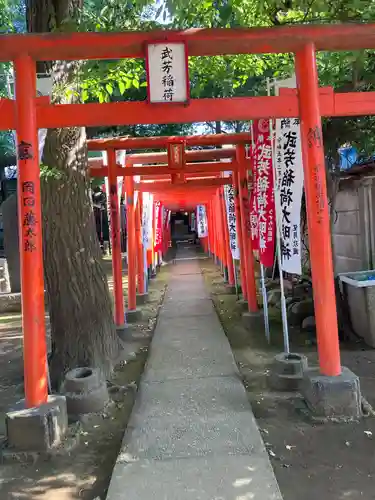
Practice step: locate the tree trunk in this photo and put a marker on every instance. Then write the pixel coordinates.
(82, 326)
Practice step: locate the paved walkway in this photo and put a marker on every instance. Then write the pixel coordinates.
(192, 433)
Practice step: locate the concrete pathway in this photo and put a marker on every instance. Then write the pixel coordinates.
(192, 434)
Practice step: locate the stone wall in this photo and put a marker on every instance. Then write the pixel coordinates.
(11, 243)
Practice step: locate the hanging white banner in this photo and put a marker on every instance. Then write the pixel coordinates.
(202, 221)
(288, 191)
(231, 219)
(147, 220)
(120, 158)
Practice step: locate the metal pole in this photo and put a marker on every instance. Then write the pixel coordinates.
(284, 314)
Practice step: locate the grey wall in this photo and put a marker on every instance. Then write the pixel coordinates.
(352, 228)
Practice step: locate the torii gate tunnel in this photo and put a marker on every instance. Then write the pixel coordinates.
(309, 102)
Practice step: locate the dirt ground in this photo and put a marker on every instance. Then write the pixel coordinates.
(311, 461)
(84, 471)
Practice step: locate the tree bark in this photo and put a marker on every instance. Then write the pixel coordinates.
(82, 326)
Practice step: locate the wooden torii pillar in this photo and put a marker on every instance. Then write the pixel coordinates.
(318, 218)
(30, 235)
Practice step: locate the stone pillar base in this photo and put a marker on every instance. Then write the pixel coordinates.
(39, 429)
(231, 289)
(287, 371)
(252, 320)
(134, 315)
(142, 298)
(121, 329)
(337, 398)
(242, 303)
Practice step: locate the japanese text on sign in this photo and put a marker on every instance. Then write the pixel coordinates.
(229, 196)
(262, 215)
(158, 226)
(289, 186)
(202, 221)
(167, 72)
(230, 205)
(147, 217)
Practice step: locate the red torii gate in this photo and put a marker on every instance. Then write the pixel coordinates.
(29, 113)
(177, 186)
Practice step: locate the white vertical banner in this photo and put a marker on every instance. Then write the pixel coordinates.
(229, 197)
(147, 220)
(120, 158)
(202, 221)
(106, 183)
(289, 189)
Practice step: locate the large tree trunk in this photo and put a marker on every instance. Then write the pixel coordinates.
(82, 327)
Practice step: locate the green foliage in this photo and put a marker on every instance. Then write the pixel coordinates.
(47, 172)
(221, 76)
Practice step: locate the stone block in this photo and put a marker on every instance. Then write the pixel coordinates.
(39, 429)
(4, 276)
(336, 398)
(134, 315)
(298, 311)
(274, 296)
(10, 303)
(142, 298)
(309, 324)
(252, 320)
(121, 330)
(348, 245)
(287, 371)
(346, 201)
(230, 289)
(11, 244)
(243, 304)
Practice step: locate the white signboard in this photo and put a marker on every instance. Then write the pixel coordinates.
(167, 73)
(202, 221)
(288, 190)
(231, 220)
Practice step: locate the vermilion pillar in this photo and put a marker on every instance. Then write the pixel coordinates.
(132, 249)
(30, 236)
(115, 239)
(318, 213)
(139, 245)
(248, 257)
(239, 237)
